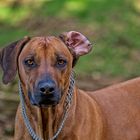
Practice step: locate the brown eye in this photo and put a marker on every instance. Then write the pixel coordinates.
(61, 63)
(30, 63)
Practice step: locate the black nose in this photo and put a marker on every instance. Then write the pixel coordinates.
(47, 87)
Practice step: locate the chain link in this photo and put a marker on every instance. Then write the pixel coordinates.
(67, 105)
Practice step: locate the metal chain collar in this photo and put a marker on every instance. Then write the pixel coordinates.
(67, 105)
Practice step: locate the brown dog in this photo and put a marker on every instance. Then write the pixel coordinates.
(44, 66)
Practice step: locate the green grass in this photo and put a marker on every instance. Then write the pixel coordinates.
(112, 25)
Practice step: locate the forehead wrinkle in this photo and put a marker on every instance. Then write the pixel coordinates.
(47, 47)
(57, 48)
(36, 47)
(56, 44)
(46, 52)
(38, 44)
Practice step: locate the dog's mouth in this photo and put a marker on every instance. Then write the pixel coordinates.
(42, 100)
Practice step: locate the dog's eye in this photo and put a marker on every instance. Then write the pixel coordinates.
(30, 63)
(61, 62)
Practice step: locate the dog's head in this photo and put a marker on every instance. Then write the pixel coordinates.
(44, 65)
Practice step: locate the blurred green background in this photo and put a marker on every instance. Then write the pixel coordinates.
(113, 27)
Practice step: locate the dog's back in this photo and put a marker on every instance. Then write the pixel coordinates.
(120, 105)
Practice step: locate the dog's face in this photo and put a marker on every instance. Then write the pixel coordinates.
(44, 65)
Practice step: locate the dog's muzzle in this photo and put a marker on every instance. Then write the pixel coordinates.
(46, 94)
(39, 99)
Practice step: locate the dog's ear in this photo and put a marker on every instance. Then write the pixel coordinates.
(8, 59)
(77, 43)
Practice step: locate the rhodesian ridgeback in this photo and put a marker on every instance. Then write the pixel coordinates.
(52, 107)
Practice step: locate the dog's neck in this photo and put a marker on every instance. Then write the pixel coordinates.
(52, 117)
(46, 121)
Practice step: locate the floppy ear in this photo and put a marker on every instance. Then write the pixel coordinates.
(8, 59)
(77, 43)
